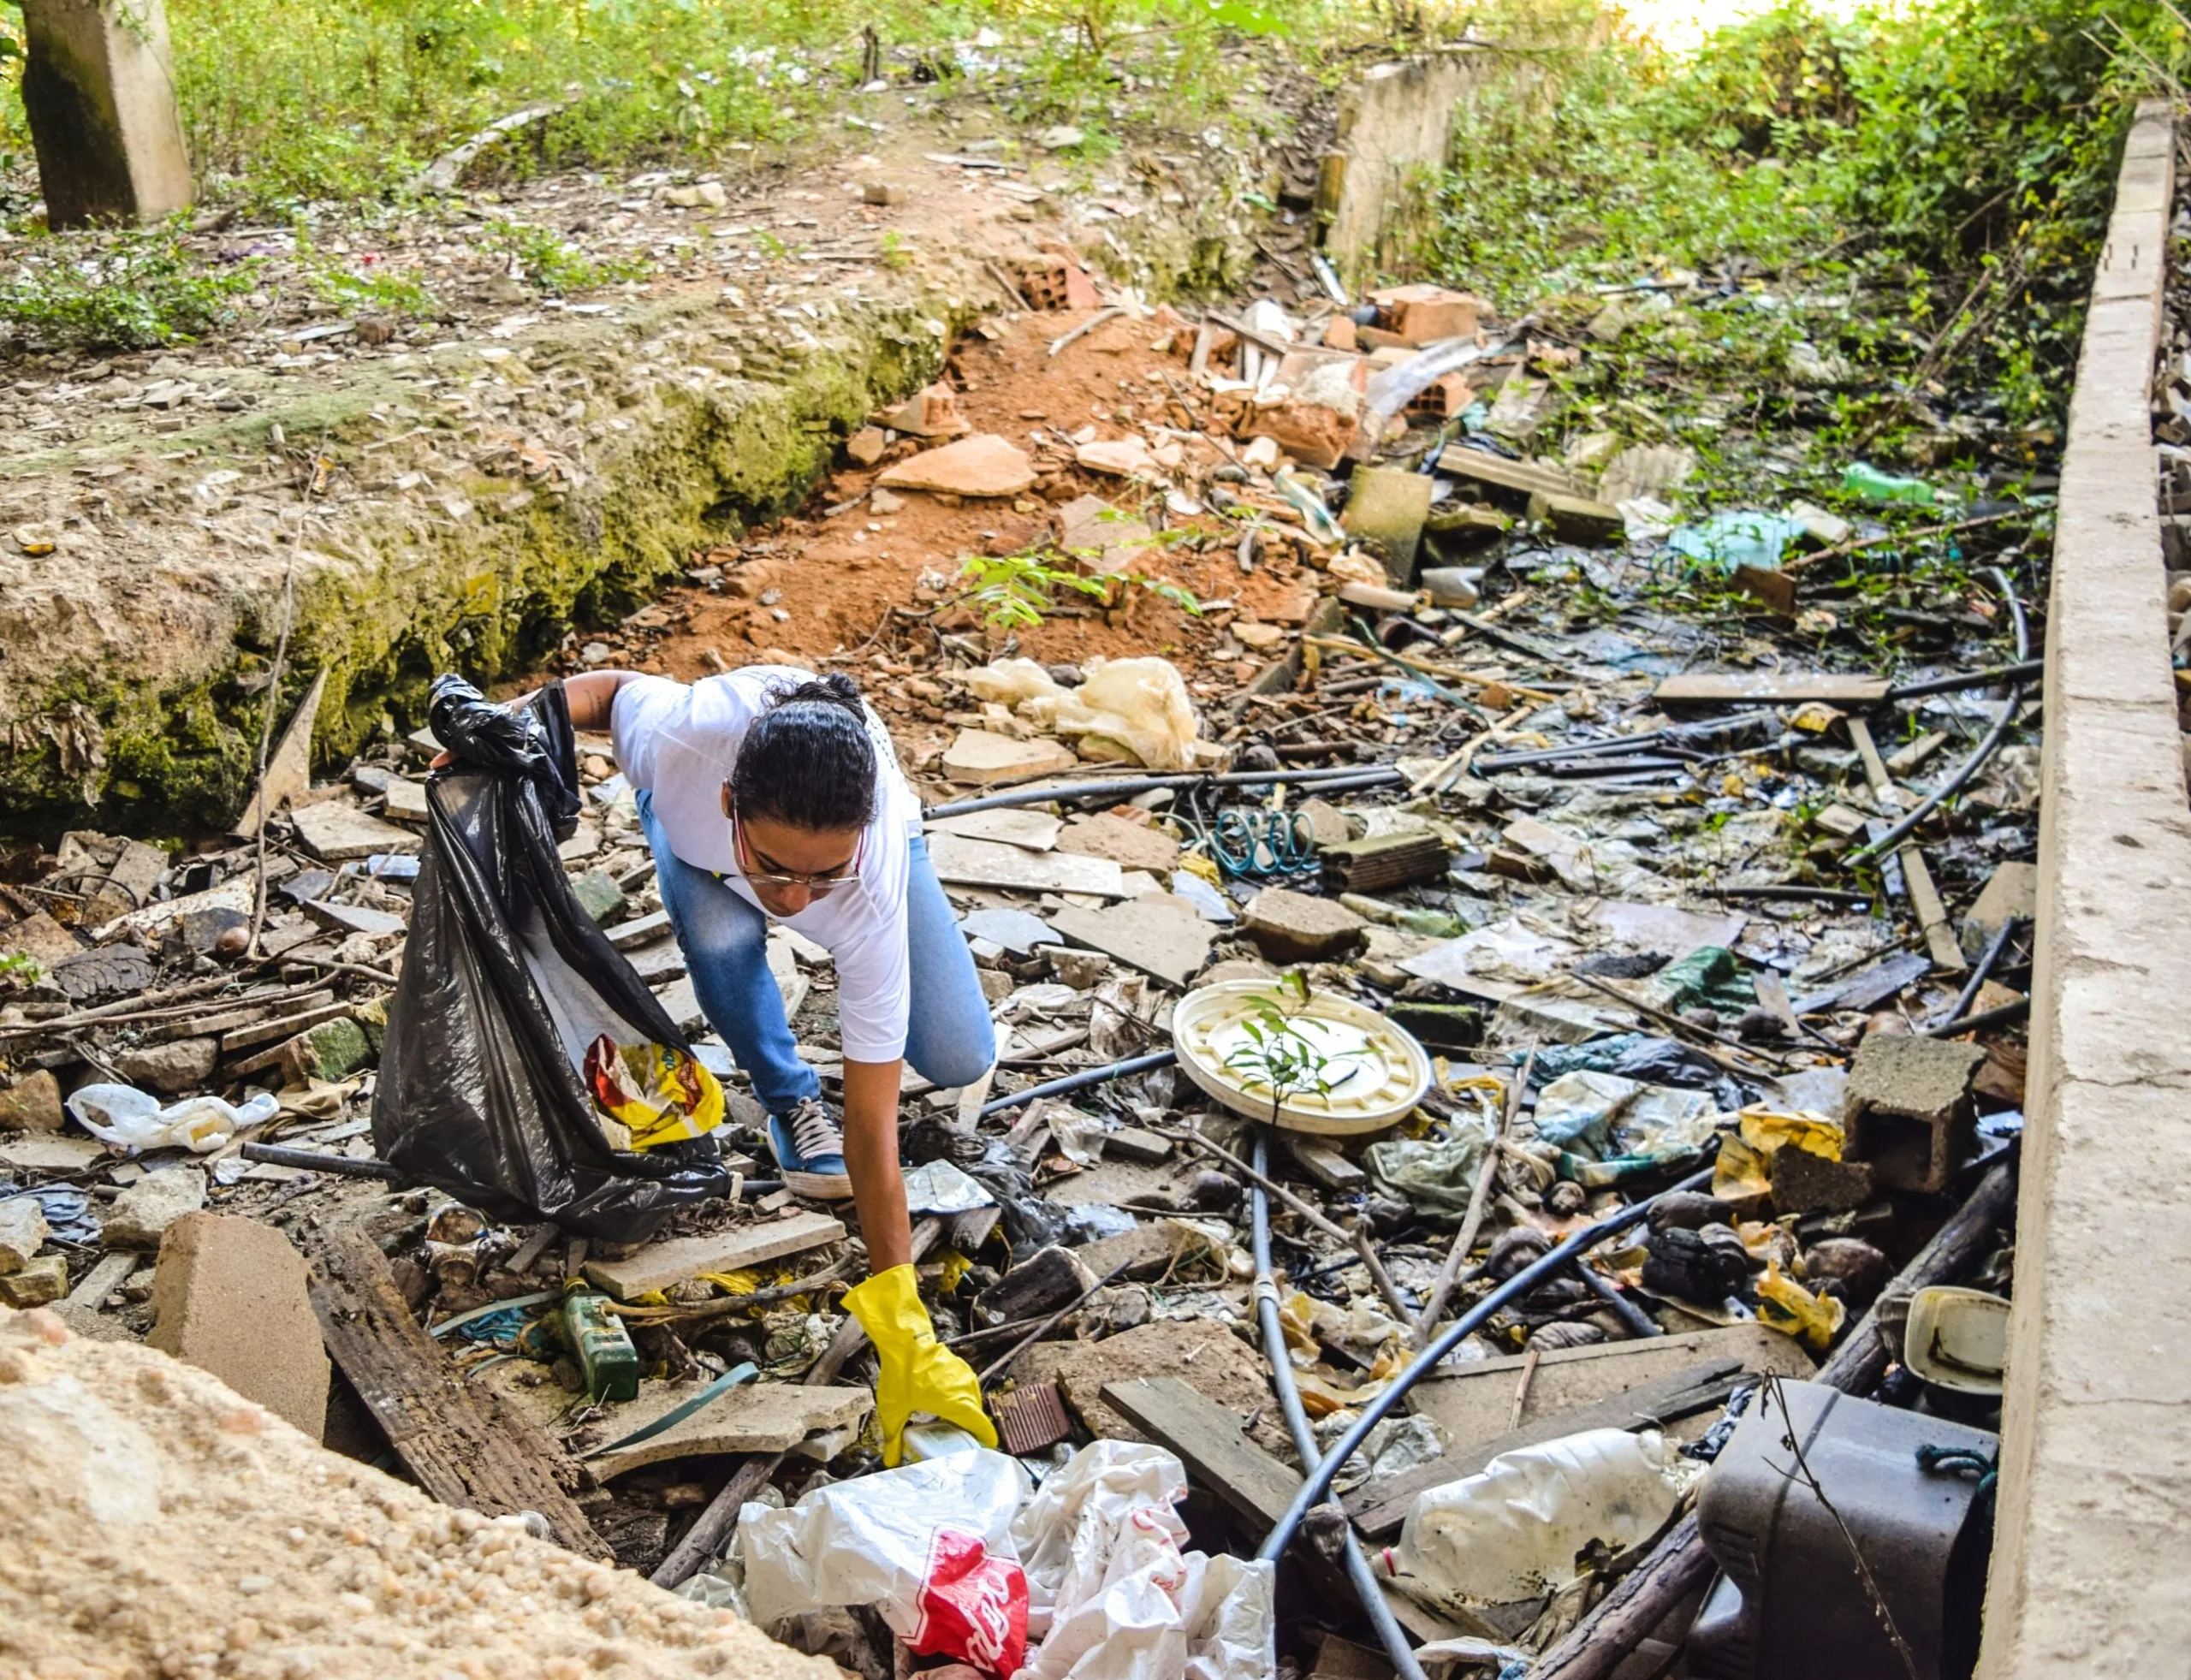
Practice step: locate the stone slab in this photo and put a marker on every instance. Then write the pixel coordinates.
(972, 862)
(1163, 937)
(335, 831)
(980, 756)
(231, 1296)
(1131, 845)
(1034, 830)
(754, 1417)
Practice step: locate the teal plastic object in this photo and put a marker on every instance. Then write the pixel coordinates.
(1728, 541)
(1874, 485)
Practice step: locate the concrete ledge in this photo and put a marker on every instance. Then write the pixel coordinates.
(2088, 1576)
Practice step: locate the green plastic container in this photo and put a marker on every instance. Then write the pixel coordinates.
(1874, 485)
(598, 1341)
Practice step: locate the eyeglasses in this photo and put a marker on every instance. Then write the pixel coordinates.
(820, 886)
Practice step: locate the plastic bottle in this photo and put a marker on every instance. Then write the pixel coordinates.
(1874, 485)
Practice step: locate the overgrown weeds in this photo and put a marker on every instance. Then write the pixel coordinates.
(137, 291)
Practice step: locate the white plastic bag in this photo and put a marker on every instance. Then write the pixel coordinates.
(928, 1545)
(128, 1118)
(1512, 1530)
(1139, 706)
(1111, 1594)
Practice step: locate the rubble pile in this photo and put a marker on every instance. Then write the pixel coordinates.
(1464, 923)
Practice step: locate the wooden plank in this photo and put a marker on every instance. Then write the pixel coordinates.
(1322, 1162)
(662, 1265)
(1869, 987)
(1207, 1438)
(710, 1532)
(1381, 1507)
(464, 1446)
(1924, 896)
(1749, 688)
(1518, 479)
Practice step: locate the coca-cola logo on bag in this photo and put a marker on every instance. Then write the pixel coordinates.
(973, 1606)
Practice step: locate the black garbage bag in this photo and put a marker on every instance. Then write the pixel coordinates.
(517, 1026)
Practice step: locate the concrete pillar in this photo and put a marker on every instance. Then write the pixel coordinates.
(1394, 123)
(98, 87)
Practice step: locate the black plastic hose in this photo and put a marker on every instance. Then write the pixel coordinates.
(1971, 765)
(1319, 1480)
(1363, 1579)
(1081, 1081)
(1364, 775)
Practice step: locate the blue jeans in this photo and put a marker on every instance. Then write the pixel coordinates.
(948, 1038)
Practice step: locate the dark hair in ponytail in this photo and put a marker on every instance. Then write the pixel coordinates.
(808, 760)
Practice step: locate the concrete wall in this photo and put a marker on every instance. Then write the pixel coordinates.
(2090, 1573)
(1394, 123)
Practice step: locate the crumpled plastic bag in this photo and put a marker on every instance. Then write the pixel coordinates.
(1137, 707)
(1111, 1593)
(928, 1546)
(1601, 1115)
(1744, 1168)
(1743, 537)
(1708, 978)
(1433, 1178)
(1789, 1308)
(124, 1117)
(1512, 1531)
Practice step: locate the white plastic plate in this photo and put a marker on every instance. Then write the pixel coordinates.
(1376, 1071)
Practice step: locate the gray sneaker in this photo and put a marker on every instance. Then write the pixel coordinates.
(809, 1145)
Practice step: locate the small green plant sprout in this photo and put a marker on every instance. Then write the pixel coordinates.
(551, 265)
(1279, 1055)
(1013, 591)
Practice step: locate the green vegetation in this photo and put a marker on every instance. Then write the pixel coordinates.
(550, 263)
(1921, 190)
(1014, 591)
(135, 292)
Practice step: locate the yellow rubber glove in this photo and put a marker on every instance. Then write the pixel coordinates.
(918, 1372)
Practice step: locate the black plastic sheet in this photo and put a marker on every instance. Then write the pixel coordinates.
(479, 1095)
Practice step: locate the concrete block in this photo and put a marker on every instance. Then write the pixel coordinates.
(1579, 520)
(600, 897)
(1803, 1183)
(32, 1103)
(1289, 927)
(1386, 507)
(230, 1295)
(39, 1284)
(169, 1069)
(98, 89)
(22, 1232)
(1907, 1109)
(141, 1215)
(331, 1051)
(979, 757)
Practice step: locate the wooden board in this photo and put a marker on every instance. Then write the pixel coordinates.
(975, 863)
(1869, 987)
(462, 1444)
(1616, 1385)
(1207, 1438)
(1751, 688)
(660, 1265)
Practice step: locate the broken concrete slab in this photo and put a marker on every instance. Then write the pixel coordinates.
(1907, 1107)
(980, 756)
(231, 1296)
(1580, 520)
(753, 1417)
(1655, 470)
(971, 862)
(2011, 890)
(1835, 688)
(141, 1215)
(983, 464)
(1803, 1183)
(1133, 845)
(930, 412)
(289, 767)
(1120, 458)
(405, 801)
(335, 831)
(1289, 927)
(1664, 928)
(660, 1264)
(1160, 933)
(1019, 931)
(40, 939)
(49, 1152)
(354, 918)
(1090, 526)
(1032, 830)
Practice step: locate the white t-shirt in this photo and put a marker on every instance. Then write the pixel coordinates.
(680, 742)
